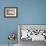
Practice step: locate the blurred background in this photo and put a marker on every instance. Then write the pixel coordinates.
(29, 12)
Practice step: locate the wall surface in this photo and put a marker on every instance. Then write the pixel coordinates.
(29, 12)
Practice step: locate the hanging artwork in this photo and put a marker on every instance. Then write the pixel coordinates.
(32, 32)
(11, 12)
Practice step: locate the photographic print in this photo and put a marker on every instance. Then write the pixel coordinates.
(32, 32)
(10, 11)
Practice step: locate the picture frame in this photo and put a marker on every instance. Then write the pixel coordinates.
(10, 12)
(37, 29)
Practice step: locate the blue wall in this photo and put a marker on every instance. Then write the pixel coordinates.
(29, 12)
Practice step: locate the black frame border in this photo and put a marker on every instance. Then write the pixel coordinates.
(11, 16)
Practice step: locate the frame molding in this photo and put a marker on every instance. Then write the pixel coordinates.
(11, 16)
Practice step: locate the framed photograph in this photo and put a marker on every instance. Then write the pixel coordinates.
(33, 32)
(11, 12)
